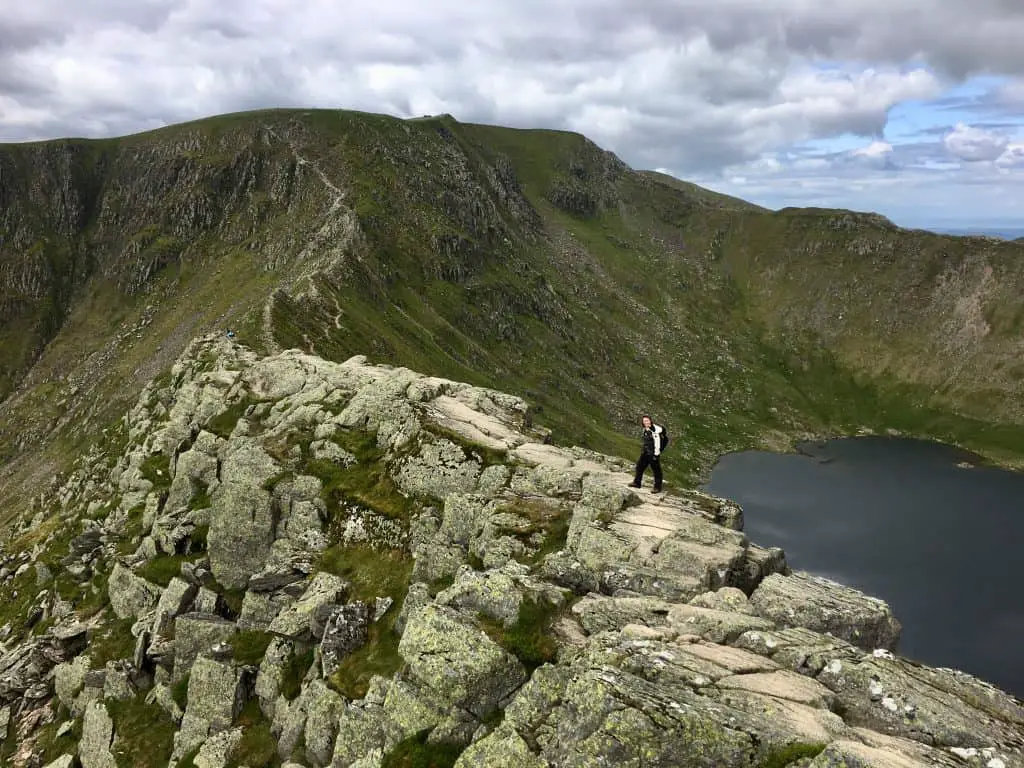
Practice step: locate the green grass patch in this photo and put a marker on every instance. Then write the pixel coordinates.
(94, 598)
(551, 523)
(111, 641)
(200, 496)
(197, 539)
(250, 646)
(257, 747)
(371, 572)
(162, 568)
(780, 757)
(132, 529)
(366, 483)
(179, 692)
(415, 752)
(157, 469)
(224, 423)
(294, 672)
(49, 746)
(529, 639)
(145, 734)
(484, 454)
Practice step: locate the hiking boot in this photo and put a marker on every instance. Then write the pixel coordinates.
(634, 485)
(655, 490)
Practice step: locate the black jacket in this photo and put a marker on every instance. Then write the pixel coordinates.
(652, 440)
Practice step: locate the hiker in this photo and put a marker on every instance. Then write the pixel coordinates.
(655, 438)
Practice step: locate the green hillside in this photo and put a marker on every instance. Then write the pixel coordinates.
(527, 260)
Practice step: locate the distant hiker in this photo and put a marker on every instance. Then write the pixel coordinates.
(231, 334)
(655, 439)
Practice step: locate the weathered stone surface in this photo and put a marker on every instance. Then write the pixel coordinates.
(130, 595)
(216, 693)
(217, 749)
(493, 594)
(271, 673)
(64, 761)
(295, 620)
(325, 708)
(177, 597)
(68, 680)
(936, 707)
(117, 684)
(440, 468)
(97, 734)
(458, 661)
(502, 749)
(242, 522)
(259, 609)
(782, 684)
(195, 634)
(345, 632)
(815, 603)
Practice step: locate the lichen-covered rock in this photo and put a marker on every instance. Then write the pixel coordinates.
(216, 693)
(196, 634)
(458, 661)
(97, 734)
(118, 683)
(217, 749)
(934, 706)
(242, 521)
(344, 632)
(493, 594)
(271, 673)
(802, 600)
(68, 680)
(177, 597)
(325, 708)
(259, 609)
(130, 595)
(439, 468)
(504, 748)
(295, 620)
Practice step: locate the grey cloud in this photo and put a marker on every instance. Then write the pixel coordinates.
(675, 83)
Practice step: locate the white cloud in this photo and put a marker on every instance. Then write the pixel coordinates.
(975, 144)
(874, 150)
(1012, 157)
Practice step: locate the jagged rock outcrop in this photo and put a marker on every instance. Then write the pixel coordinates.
(444, 577)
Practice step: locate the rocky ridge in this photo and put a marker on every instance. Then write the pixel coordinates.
(284, 560)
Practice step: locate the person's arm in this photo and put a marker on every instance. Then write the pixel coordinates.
(657, 441)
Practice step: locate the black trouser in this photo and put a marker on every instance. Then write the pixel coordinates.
(648, 460)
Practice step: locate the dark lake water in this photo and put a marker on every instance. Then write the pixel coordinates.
(900, 520)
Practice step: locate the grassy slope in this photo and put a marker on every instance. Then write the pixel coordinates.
(526, 260)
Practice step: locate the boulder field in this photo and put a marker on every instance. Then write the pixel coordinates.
(287, 561)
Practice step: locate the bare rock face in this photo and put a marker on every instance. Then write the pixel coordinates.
(242, 523)
(801, 600)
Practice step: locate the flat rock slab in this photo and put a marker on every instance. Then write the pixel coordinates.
(783, 684)
(802, 600)
(477, 427)
(716, 626)
(736, 660)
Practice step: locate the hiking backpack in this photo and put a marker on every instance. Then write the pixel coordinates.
(664, 438)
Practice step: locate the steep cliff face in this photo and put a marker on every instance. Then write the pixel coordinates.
(529, 260)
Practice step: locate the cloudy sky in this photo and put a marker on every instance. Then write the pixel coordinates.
(914, 108)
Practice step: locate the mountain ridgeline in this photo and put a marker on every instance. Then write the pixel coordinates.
(527, 260)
